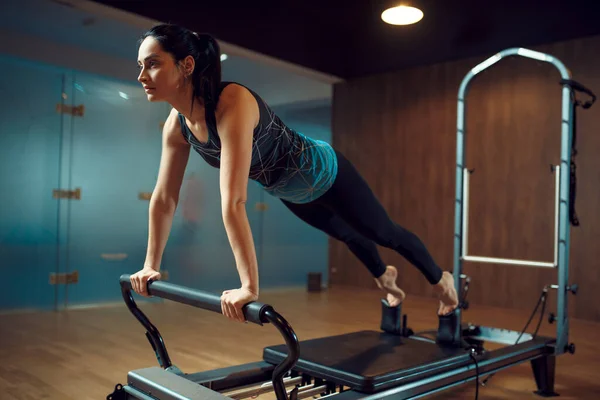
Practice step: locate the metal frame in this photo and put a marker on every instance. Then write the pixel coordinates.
(531, 263)
(487, 363)
(167, 382)
(561, 219)
(255, 312)
(167, 385)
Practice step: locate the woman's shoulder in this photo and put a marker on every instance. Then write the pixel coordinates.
(234, 92)
(237, 99)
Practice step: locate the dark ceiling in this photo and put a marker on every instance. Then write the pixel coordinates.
(348, 39)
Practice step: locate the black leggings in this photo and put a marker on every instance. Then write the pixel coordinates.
(350, 212)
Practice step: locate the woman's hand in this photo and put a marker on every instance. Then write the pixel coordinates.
(139, 280)
(232, 302)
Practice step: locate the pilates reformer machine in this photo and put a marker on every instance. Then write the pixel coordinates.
(392, 362)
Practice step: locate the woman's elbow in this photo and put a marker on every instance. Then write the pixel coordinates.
(233, 205)
(162, 202)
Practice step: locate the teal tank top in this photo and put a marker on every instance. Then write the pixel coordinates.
(285, 163)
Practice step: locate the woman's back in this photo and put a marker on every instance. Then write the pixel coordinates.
(287, 163)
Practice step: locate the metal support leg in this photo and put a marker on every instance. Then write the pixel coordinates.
(544, 373)
(118, 394)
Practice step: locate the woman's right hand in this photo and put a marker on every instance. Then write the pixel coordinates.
(139, 280)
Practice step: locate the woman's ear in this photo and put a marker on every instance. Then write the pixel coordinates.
(188, 65)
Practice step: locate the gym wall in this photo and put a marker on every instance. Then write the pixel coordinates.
(400, 131)
(73, 117)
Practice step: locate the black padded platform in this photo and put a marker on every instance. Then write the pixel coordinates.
(370, 361)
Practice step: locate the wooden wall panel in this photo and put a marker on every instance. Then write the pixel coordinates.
(399, 129)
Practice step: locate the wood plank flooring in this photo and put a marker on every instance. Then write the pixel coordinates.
(83, 353)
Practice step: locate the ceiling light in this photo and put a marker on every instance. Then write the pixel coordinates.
(402, 15)
(224, 57)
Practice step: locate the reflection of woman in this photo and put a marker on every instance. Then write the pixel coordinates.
(191, 203)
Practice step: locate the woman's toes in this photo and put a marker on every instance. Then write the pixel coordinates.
(393, 300)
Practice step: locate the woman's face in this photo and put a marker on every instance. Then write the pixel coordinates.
(159, 75)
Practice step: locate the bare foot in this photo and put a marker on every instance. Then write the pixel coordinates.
(447, 294)
(387, 283)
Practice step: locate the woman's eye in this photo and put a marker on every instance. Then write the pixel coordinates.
(150, 64)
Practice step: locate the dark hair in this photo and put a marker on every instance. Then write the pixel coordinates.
(181, 42)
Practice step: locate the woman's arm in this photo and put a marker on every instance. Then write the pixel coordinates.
(163, 203)
(165, 196)
(238, 112)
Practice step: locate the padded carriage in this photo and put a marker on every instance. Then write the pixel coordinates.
(370, 361)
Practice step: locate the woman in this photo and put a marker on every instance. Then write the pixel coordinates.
(234, 130)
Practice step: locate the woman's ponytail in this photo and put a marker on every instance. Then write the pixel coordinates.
(206, 77)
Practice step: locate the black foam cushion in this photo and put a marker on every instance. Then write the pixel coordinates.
(369, 361)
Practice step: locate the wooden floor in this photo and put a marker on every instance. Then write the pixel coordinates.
(82, 354)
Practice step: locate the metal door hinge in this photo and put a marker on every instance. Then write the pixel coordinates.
(67, 194)
(76, 111)
(114, 256)
(64, 278)
(144, 195)
(261, 206)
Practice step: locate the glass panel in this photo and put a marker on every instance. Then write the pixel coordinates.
(116, 149)
(30, 134)
(115, 156)
(291, 248)
(198, 253)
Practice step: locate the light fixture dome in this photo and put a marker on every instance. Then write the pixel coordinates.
(402, 15)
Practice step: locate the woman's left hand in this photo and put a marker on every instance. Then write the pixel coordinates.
(233, 300)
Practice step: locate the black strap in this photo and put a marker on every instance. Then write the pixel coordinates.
(580, 88)
(576, 87)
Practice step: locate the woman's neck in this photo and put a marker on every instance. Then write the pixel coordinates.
(183, 104)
